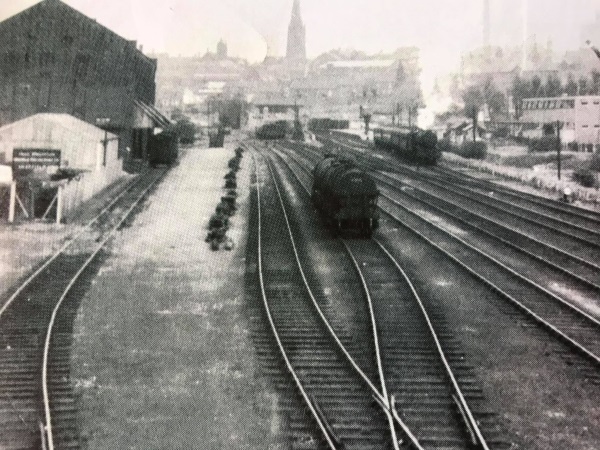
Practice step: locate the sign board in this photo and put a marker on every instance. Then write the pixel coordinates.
(28, 161)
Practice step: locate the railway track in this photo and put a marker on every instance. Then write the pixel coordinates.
(572, 213)
(333, 391)
(559, 269)
(571, 324)
(37, 407)
(420, 377)
(574, 231)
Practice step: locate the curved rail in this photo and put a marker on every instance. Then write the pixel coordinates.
(382, 400)
(66, 245)
(288, 364)
(545, 291)
(378, 359)
(463, 405)
(476, 435)
(99, 247)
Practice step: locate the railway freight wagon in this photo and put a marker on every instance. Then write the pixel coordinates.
(163, 149)
(409, 144)
(273, 130)
(345, 196)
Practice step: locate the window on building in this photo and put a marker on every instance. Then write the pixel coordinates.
(584, 102)
(596, 102)
(584, 126)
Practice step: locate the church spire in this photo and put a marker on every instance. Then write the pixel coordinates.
(296, 43)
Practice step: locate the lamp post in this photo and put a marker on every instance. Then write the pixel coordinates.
(103, 123)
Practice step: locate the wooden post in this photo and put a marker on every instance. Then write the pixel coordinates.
(558, 148)
(11, 207)
(59, 204)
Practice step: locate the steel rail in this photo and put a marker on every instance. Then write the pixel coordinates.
(582, 213)
(303, 393)
(507, 203)
(70, 240)
(555, 297)
(506, 227)
(471, 422)
(532, 283)
(462, 404)
(382, 381)
(528, 311)
(545, 261)
(384, 402)
(530, 219)
(99, 247)
(551, 204)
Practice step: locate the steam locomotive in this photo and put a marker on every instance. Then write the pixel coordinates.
(345, 195)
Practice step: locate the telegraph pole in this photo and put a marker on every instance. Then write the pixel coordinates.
(559, 145)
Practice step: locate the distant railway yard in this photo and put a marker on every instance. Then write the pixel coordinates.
(438, 311)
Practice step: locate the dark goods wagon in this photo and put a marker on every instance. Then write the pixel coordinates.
(345, 196)
(412, 145)
(273, 130)
(163, 149)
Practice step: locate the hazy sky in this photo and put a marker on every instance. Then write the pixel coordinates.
(441, 28)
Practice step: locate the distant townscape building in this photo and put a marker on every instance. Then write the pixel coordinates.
(335, 84)
(578, 117)
(186, 83)
(503, 64)
(56, 59)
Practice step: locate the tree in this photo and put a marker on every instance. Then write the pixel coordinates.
(495, 99)
(583, 87)
(536, 87)
(595, 88)
(571, 86)
(473, 99)
(519, 91)
(553, 87)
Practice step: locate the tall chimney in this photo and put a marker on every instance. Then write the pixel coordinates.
(486, 23)
(525, 12)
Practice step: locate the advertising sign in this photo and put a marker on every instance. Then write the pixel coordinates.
(33, 161)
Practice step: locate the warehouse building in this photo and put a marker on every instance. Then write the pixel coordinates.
(55, 59)
(578, 116)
